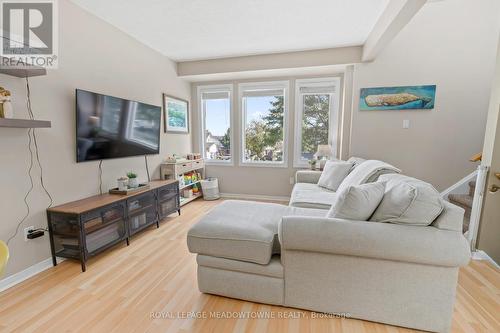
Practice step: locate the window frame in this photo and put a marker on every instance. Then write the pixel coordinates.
(333, 126)
(266, 85)
(201, 118)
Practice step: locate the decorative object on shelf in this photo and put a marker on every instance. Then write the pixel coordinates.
(174, 158)
(312, 164)
(122, 183)
(193, 156)
(129, 190)
(175, 114)
(323, 154)
(397, 98)
(132, 180)
(5, 104)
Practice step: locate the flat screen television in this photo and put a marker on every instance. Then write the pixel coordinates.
(110, 127)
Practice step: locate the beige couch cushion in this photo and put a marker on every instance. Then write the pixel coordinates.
(408, 201)
(366, 172)
(242, 230)
(305, 195)
(357, 202)
(273, 269)
(451, 218)
(333, 174)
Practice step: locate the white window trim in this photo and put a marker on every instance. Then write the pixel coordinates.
(201, 119)
(285, 85)
(334, 112)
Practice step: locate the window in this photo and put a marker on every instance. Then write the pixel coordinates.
(316, 120)
(216, 136)
(264, 123)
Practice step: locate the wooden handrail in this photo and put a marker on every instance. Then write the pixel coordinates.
(476, 158)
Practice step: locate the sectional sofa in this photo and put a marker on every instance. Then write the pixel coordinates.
(400, 271)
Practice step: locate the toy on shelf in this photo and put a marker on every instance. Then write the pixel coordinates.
(187, 179)
(194, 177)
(181, 181)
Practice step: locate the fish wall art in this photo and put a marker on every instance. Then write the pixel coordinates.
(397, 98)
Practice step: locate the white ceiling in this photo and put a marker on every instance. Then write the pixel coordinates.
(203, 29)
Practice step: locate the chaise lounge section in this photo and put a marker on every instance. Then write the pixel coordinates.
(398, 274)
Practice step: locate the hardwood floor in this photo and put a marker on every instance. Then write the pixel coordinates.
(129, 289)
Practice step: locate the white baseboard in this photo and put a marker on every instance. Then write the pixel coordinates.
(19, 277)
(254, 197)
(481, 255)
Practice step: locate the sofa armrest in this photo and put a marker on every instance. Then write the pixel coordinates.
(307, 176)
(416, 244)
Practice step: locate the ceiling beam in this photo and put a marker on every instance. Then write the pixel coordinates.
(394, 18)
(312, 58)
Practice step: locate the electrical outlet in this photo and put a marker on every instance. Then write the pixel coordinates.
(26, 232)
(292, 181)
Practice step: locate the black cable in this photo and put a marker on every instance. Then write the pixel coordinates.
(31, 138)
(37, 154)
(147, 168)
(100, 177)
(27, 193)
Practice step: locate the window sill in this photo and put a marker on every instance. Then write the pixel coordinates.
(264, 164)
(218, 163)
(300, 164)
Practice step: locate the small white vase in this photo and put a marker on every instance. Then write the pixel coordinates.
(8, 111)
(133, 183)
(122, 184)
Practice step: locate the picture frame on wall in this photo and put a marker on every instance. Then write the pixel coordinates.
(397, 98)
(175, 115)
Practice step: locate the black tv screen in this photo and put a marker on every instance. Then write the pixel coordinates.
(111, 127)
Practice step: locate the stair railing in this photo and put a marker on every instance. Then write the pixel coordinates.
(477, 205)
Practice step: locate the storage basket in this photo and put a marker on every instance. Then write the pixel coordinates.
(210, 188)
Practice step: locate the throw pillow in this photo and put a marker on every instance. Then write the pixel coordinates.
(333, 174)
(366, 172)
(357, 202)
(408, 201)
(356, 161)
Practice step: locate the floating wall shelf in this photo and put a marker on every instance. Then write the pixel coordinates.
(24, 123)
(22, 72)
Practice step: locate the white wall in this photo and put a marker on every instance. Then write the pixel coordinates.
(448, 43)
(93, 56)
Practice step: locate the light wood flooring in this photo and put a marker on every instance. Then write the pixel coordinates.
(125, 288)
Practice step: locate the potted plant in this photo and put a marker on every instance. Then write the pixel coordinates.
(132, 180)
(312, 164)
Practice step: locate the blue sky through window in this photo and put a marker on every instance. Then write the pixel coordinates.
(217, 112)
(258, 107)
(217, 116)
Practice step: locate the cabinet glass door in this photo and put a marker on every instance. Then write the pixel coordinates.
(141, 212)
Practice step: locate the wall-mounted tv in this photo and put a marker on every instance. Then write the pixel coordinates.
(111, 127)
